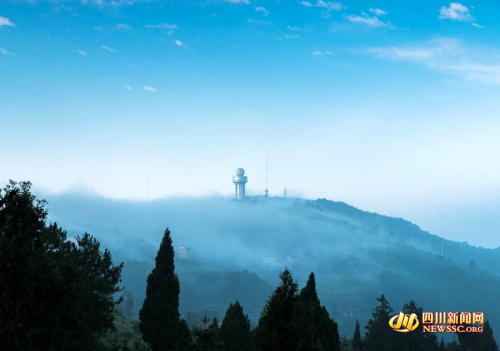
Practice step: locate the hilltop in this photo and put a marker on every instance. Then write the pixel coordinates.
(237, 246)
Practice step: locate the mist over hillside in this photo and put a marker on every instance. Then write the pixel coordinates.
(356, 255)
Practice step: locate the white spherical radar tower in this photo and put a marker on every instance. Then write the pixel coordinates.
(239, 181)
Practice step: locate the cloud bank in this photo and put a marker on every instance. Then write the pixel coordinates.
(450, 56)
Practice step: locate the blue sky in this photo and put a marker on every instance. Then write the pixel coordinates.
(391, 106)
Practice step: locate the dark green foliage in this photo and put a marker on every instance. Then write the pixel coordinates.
(345, 343)
(442, 346)
(454, 346)
(184, 337)
(159, 315)
(125, 329)
(417, 339)
(276, 329)
(54, 295)
(357, 343)
(479, 341)
(207, 337)
(140, 345)
(378, 335)
(315, 329)
(214, 327)
(295, 322)
(488, 340)
(235, 329)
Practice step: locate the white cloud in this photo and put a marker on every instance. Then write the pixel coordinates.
(247, 2)
(455, 11)
(261, 9)
(129, 88)
(107, 48)
(321, 53)
(293, 28)
(5, 22)
(378, 12)
(163, 26)
(5, 52)
(98, 28)
(286, 36)
(82, 52)
(367, 20)
(337, 6)
(180, 43)
(477, 25)
(122, 26)
(148, 88)
(449, 56)
(258, 21)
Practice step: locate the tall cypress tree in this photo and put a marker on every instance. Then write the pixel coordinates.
(315, 329)
(235, 329)
(356, 339)
(160, 324)
(488, 340)
(277, 329)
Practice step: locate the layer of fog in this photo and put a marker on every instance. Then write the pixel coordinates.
(232, 234)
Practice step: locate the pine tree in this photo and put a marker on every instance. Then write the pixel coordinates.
(454, 346)
(277, 329)
(315, 329)
(478, 341)
(442, 346)
(416, 340)
(55, 295)
(487, 336)
(159, 315)
(184, 337)
(378, 335)
(207, 338)
(235, 329)
(215, 325)
(345, 343)
(356, 339)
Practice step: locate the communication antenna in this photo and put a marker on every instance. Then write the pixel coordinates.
(267, 191)
(285, 192)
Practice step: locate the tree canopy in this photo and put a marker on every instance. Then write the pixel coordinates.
(235, 329)
(160, 318)
(55, 294)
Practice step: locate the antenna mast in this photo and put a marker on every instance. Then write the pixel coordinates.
(267, 191)
(285, 192)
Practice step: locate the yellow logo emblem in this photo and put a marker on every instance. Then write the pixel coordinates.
(404, 323)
